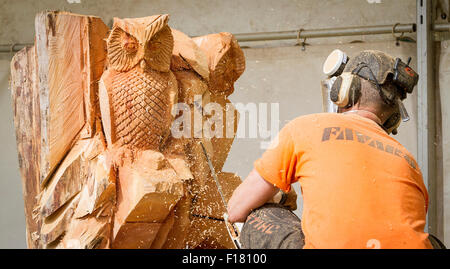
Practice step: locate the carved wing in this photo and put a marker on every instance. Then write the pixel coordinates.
(106, 109)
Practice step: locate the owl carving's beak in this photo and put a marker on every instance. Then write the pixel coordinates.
(143, 64)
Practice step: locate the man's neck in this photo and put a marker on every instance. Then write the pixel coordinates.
(366, 114)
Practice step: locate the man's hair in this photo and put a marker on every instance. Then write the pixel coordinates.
(370, 97)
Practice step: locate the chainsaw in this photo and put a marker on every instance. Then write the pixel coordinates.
(232, 229)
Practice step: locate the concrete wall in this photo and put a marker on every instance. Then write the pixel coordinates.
(12, 219)
(444, 82)
(276, 71)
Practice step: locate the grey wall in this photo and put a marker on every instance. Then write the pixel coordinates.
(444, 82)
(198, 17)
(276, 71)
(12, 219)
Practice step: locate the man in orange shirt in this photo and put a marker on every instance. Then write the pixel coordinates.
(361, 188)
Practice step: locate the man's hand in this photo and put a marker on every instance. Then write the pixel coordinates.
(251, 194)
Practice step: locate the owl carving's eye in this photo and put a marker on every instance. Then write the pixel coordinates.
(129, 43)
(124, 50)
(158, 50)
(154, 45)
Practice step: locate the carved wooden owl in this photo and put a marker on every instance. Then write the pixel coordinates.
(138, 90)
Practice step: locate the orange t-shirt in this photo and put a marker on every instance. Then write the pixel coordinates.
(361, 188)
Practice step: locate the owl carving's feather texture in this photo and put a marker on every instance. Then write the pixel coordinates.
(141, 107)
(138, 90)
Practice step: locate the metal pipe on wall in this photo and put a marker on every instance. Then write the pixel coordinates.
(302, 33)
(441, 27)
(331, 32)
(13, 47)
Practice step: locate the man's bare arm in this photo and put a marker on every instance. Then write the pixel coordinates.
(253, 192)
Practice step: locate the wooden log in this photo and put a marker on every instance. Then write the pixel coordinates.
(56, 225)
(181, 226)
(207, 202)
(199, 164)
(222, 145)
(226, 61)
(189, 85)
(208, 233)
(24, 94)
(99, 189)
(123, 195)
(149, 188)
(66, 182)
(70, 58)
(87, 233)
(187, 55)
(163, 231)
(136, 235)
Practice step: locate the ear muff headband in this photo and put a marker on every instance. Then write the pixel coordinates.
(392, 123)
(372, 79)
(345, 90)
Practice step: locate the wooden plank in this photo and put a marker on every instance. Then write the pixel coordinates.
(27, 126)
(66, 182)
(67, 45)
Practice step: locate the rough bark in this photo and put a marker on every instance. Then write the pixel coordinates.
(27, 125)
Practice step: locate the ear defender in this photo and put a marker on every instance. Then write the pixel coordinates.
(391, 124)
(346, 90)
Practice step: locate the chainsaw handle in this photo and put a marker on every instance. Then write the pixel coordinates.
(233, 231)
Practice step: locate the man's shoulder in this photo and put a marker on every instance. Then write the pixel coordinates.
(310, 124)
(315, 118)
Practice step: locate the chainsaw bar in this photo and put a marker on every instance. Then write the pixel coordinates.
(231, 227)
